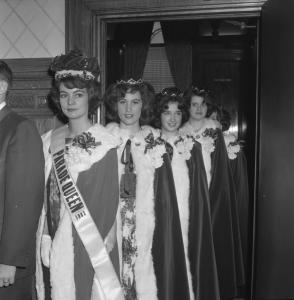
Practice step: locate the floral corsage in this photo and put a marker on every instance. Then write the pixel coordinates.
(155, 149)
(81, 149)
(184, 145)
(85, 141)
(233, 145)
(207, 139)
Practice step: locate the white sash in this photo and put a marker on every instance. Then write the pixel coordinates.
(106, 282)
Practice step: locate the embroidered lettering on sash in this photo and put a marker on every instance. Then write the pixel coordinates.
(106, 282)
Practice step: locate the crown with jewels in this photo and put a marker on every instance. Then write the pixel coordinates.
(75, 64)
(171, 92)
(197, 90)
(130, 81)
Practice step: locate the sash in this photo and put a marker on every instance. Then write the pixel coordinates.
(106, 283)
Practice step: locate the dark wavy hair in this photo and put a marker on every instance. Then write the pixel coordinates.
(166, 96)
(118, 90)
(92, 87)
(222, 115)
(5, 72)
(207, 96)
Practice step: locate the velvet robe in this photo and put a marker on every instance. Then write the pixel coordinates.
(201, 246)
(168, 249)
(225, 222)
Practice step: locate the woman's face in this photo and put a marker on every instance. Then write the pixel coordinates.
(198, 108)
(129, 109)
(171, 118)
(74, 102)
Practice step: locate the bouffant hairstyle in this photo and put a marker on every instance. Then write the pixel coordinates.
(222, 115)
(5, 73)
(162, 100)
(195, 91)
(75, 70)
(118, 90)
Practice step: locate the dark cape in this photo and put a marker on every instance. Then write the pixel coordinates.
(240, 176)
(225, 222)
(100, 190)
(200, 239)
(168, 249)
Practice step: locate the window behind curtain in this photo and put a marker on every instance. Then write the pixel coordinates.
(157, 70)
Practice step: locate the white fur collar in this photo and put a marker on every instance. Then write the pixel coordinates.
(147, 141)
(145, 220)
(62, 255)
(182, 185)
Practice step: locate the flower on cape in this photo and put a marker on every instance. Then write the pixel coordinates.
(155, 149)
(184, 145)
(207, 139)
(85, 141)
(233, 145)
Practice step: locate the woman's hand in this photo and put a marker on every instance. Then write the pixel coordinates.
(45, 249)
(7, 275)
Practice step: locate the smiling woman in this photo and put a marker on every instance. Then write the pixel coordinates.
(150, 243)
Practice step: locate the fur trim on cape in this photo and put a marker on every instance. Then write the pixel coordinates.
(206, 146)
(145, 219)
(62, 251)
(182, 185)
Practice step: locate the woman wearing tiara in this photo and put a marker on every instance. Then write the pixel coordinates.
(192, 195)
(238, 163)
(76, 239)
(148, 226)
(225, 223)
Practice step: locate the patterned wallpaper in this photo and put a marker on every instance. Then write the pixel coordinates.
(32, 28)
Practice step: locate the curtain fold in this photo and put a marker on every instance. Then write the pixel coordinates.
(136, 39)
(178, 38)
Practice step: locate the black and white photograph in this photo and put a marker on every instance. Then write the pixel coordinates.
(146, 150)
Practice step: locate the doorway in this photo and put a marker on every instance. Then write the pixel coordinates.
(216, 54)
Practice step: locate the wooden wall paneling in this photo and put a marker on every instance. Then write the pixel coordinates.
(78, 26)
(28, 95)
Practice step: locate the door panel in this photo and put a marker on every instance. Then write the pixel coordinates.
(274, 259)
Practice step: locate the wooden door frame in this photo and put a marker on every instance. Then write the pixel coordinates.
(101, 18)
(103, 14)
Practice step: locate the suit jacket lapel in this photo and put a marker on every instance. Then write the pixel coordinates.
(4, 112)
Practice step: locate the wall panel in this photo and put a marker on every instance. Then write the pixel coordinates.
(28, 95)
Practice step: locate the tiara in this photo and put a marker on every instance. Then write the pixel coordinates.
(86, 75)
(195, 89)
(130, 81)
(171, 92)
(165, 93)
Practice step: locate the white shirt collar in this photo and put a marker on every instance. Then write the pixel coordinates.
(2, 104)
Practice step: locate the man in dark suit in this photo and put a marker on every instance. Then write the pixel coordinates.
(21, 197)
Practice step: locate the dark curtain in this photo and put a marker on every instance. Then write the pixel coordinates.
(136, 40)
(115, 63)
(178, 38)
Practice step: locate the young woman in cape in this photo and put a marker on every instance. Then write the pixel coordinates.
(192, 195)
(224, 217)
(238, 163)
(150, 242)
(76, 235)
